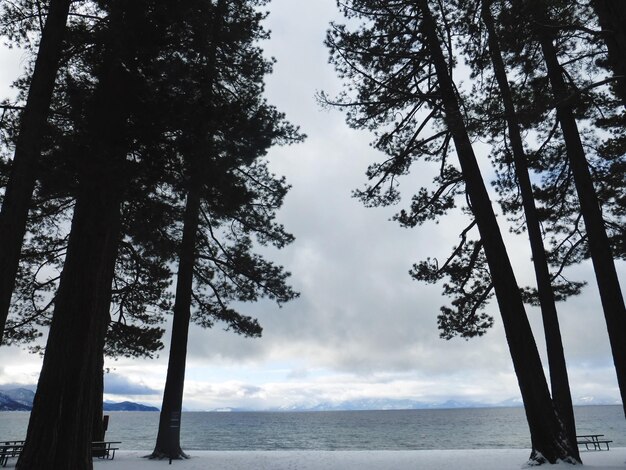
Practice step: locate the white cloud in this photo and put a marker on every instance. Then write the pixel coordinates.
(12, 62)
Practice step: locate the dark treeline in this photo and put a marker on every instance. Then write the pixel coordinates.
(134, 159)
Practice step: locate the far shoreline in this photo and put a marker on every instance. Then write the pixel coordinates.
(327, 410)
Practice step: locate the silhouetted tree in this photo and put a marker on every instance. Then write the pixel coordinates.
(395, 64)
(599, 246)
(484, 52)
(21, 183)
(229, 193)
(60, 427)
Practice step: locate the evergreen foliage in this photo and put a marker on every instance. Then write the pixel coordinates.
(394, 88)
(148, 105)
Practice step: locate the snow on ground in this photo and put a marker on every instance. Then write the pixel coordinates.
(475, 459)
(484, 459)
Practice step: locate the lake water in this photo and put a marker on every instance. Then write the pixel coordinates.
(473, 428)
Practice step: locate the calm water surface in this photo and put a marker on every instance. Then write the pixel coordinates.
(342, 430)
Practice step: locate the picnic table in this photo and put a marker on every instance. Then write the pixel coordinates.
(99, 449)
(104, 449)
(9, 449)
(592, 440)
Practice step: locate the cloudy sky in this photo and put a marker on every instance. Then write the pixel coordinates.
(361, 327)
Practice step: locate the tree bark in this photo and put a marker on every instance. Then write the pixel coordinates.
(603, 263)
(168, 438)
(556, 358)
(61, 422)
(98, 397)
(547, 434)
(612, 18)
(21, 184)
(98, 428)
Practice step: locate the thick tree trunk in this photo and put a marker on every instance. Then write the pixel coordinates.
(21, 183)
(61, 422)
(168, 438)
(603, 263)
(612, 18)
(556, 358)
(547, 434)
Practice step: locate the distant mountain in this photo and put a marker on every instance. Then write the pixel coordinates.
(583, 401)
(11, 401)
(387, 404)
(371, 404)
(22, 396)
(127, 406)
(511, 402)
(21, 399)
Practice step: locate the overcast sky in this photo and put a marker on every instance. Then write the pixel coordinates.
(361, 327)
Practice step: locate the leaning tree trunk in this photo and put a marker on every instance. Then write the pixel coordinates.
(546, 431)
(60, 426)
(599, 247)
(168, 438)
(21, 183)
(61, 422)
(612, 18)
(556, 358)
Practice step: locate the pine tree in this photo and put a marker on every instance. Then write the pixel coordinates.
(396, 64)
(224, 185)
(21, 183)
(513, 148)
(64, 404)
(599, 246)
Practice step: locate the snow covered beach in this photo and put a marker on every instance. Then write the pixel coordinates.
(473, 459)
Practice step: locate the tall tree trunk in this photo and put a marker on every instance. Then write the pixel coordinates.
(556, 358)
(547, 434)
(61, 422)
(168, 438)
(21, 183)
(603, 263)
(612, 18)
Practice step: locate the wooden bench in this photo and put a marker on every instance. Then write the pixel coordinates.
(100, 449)
(9, 449)
(592, 440)
(104, 449)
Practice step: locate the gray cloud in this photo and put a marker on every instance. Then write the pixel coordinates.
(115, 384)
(361, 327)
(360, 313)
